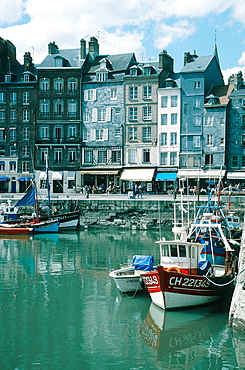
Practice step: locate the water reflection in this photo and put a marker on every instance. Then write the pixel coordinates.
(60, 310)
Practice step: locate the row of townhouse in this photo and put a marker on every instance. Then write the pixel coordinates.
(108, 119)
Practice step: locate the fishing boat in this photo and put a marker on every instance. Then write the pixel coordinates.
(128, 279)
(15, 229)
(197, 266)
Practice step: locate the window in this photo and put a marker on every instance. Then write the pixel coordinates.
(90, 95)
(197, 120)
(173, 138)
(26, 115)
(197, 85)
(117, 110)
(58, 132)
(243, 160)
(209, 121)
(174, 100)
(116, 156)
(113, 94)
(146, 133)
(132, 156)
(133, 71)
(12, 114)
(132, 133)
(26, 133)
(7, 78)
(85, 117)
(222, 120)
(208, 159)
(2, 114)
(58, 85)
(196, 142)
(12, 151)
(88, 157)
(44, 86)
(146, 155)
(72, 85)
(173, 159)
(44, 108)
(164, 159)
(25, 151)
(174, 118)
(163, 138)
(234, 161)
(185, 108)
(101, 114)
(85, 134)
(26, 77)
(26, 97)
(118, 132)
(102, 76)
(44, 132)
(13, 97)
(12, 134)
(147, 92)
(25, 166)
(210, 140)
(72, 108)
(196, 103)
(102, 156)
(147, 113)
(243, 140)
(72, 131)
(184, 161)
(222, 141)
(133, 92)
(12, 166)
(72, 155)
(196, 161)
(133, 113)
(58, 108)
(99, 134)
(43, 155)
(2, 150)
(2, 166)
(2, 97)
(2, 134)
(164, 119)
(164, 102)
(58, 155)
(58, 62)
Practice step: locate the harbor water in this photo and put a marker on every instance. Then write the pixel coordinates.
(59, 310)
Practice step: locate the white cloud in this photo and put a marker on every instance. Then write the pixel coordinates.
(7, 14)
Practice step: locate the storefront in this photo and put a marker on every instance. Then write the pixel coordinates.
(201, 179)
(24, 183)
(4, 184)
(166, 181)
(143, 176)
(100, 180)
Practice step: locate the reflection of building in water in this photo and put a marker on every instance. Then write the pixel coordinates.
(183, 339)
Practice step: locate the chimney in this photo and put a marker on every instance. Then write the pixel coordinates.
(93, 47)
(82, 49)
(166, 62)
(27, 61)
(53, 48)
(237, 80)
(188, 57)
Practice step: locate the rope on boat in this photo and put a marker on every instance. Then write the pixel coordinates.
(136, 291)
(229, 282)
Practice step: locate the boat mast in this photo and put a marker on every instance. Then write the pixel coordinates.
(47, 181)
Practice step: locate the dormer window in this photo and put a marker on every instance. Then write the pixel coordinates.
(147, 71)
(133, 71)
(7, 78)
(102, 76)
(26, 77)
(58, 62)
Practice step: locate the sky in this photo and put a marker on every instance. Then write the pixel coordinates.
(145, 27)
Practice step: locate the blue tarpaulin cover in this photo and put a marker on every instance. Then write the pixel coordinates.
(144, 263)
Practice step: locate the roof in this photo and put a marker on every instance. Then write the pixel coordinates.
(200, 64)
(221, 92)
(118, 62)
(72, 56)
(240, 93)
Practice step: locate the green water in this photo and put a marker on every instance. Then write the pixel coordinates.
(59, 310)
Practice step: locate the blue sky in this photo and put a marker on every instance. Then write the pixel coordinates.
(141, 26)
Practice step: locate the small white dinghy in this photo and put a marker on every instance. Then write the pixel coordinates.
(128, 279)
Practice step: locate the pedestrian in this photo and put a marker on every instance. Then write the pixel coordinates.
(140, 191)
(86, 190)
(133, 191)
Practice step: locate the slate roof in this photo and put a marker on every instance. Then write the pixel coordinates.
(200, 64)
(221, 92)
(118, 62)
(72, 57)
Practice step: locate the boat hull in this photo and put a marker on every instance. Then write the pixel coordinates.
(173, 290)
(46, 227)
(16, 230)
(127, 280)
(68, 221)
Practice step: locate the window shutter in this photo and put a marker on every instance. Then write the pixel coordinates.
(92, 135)
(94, 115)
(105, 134)
(95, 94)
(86, 95)
(108, 114)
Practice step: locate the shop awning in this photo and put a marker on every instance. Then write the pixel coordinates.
(71, 175)
(138, 174)
(24, 178)
(57, 175)
(4, 178)
(99, 172)
(236, 175)
(166, 176)
(201, 174)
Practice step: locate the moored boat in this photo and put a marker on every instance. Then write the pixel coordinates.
(128, 279)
